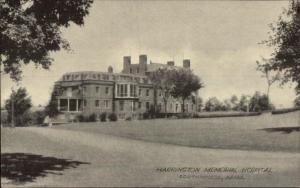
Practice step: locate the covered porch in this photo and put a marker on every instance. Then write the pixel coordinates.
(69, 105)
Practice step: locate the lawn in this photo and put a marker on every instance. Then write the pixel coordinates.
(245, 133)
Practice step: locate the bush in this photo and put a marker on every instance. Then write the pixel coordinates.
(113, 117)
(38, 117)
(24, 119)
(103, 116)
(128, 118)
(81, 118)
(92, 118)
(146, 115)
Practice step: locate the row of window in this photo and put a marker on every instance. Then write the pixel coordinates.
(129, 90)
(98, 90)
(106, 103)
(134, 105)
(106, 77)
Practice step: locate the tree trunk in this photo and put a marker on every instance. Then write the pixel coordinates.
(183, 106)
(268, 99)
(166, 109)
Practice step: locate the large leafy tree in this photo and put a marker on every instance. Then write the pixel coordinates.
(185, 83)
(163, 83)
(31, 29)
(271, 76)
(285, 38)
(17, 107)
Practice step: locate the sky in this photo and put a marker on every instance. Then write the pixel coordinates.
(221, 38)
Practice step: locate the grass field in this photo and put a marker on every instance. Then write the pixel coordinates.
(126, 153)
(246, 133)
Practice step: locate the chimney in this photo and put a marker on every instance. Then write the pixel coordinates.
(143, 59)
(126, 63)
(110, 69)
(170, 63)
(186, 63)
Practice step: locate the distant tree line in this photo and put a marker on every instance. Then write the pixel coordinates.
(256, 103)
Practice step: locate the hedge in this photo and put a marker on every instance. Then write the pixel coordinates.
(285, 110)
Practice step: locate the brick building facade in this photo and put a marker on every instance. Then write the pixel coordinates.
(128, 94)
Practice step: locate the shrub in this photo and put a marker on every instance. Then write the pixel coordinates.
(146, 115)
(113, 117)
(38, 117)
(103, 116)
(92, 118)
(81, 118)
(128, 118)
(24, 120)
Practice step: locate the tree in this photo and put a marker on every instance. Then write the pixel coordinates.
(200, 104)
(285, 38)
(185, 83)
(270, 76)
(52, 108)
(18, 106)
(297, 101)
(227, 105)
(244, 103)
(162, 81)
(30, 30)
(259, 102)
(213, 104)
(234, 102)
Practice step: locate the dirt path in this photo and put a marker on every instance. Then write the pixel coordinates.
(122, 162)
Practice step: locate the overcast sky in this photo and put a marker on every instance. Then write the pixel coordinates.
(220, 38)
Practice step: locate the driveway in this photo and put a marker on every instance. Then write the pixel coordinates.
(115, 161)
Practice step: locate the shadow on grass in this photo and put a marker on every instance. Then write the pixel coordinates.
(286, 130)
(21, 168)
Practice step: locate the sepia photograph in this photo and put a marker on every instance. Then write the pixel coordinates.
(150, 93)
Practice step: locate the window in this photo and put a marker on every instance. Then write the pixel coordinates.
(130, 70)
(137, 70)
(140, 92)
(132, 90)
(84, 89)
(84, 103)
(186, 107)
(97, 103)
(159, 107)
(147, 92)
(106, 90)
(97, 89)
(122, 90)
(140, 105)
(106, 104)
(147, 105)
(121, 105)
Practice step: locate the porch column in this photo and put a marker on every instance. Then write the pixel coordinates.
(68, 105)
(58, 104)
